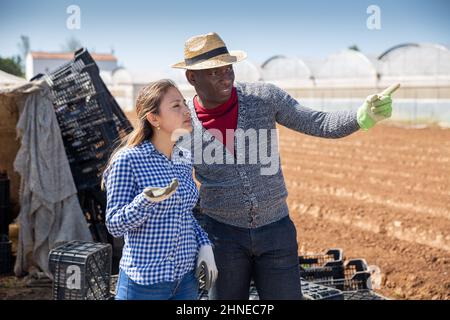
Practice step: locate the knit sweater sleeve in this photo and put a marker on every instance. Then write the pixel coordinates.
(289, 113)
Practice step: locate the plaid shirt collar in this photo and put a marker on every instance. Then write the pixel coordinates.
(179, 155)
(148, 147)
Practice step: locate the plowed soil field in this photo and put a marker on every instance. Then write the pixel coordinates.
(382, 195)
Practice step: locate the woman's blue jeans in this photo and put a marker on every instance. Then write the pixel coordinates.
(184, 289)
(268, 255)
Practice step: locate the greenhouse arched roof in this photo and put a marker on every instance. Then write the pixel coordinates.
(285, 68)
(415, 60)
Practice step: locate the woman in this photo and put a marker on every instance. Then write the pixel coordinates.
(150, 196)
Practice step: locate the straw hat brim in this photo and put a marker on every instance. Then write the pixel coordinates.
(219, 61)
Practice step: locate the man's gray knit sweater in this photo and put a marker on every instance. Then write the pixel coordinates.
(238, 193)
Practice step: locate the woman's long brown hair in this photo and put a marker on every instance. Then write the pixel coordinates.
(148, 101)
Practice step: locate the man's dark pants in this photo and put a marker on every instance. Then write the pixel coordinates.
(268, 255)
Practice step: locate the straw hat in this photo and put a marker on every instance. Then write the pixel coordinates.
(207, 51)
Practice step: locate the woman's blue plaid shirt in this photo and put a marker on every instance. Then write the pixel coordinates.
(161, 239)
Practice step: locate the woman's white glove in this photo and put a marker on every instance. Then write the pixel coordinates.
(206, 266)
(156, 194)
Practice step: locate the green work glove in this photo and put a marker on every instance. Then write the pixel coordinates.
(156, 194)
(377, 107)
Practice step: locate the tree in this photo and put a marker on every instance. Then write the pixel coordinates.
(354, 47)
(72, 44)
(12, 65)
(24, 46)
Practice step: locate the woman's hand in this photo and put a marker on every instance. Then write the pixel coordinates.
(156, 194)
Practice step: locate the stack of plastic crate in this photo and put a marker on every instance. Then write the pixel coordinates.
(90, 119)
(5, 244)
(5, 255)
(322, 267)
(314, 291)
(91, 124)
(352, 277)
(81, 271)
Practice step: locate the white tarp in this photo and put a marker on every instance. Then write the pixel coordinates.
(7, 79)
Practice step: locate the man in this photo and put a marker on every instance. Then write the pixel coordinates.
(247, 216)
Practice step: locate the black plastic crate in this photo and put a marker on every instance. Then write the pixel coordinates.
(314, 291)
(359, 281)
(113, 285)
(363, 295)
(5, 205)
(5, 255)
(322, 267)
(355, 277)
(310, 291)
(199, 215)
(330, 257)
(90, 120)
(81, 271)
(94, 208)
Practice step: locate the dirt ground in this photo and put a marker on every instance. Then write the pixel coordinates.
(12, 288)
(382, 195)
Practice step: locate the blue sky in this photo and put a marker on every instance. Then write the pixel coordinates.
(148, 36)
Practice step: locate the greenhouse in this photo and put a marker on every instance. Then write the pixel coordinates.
(287, 72)
(348, 68)
(416, 64)
(247, 71)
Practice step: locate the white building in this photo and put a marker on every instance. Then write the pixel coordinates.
(44, 62)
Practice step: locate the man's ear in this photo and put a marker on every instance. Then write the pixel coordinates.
(190, 76)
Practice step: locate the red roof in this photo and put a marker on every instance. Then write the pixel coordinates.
(69, 56)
